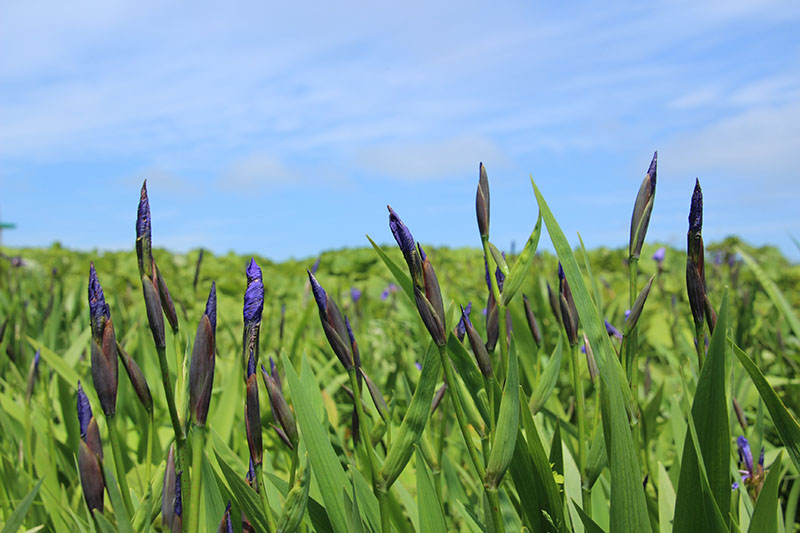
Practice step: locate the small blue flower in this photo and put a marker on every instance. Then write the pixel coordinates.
(418, 366)
(612, 331)
(355, 294)
(659, 254)
(627, 314)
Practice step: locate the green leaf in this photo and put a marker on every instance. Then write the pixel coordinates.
(710, 416)
(327, 469)
(628, 506)
(245, 497)
(414, 421)
(15, 519)
(589, 525)
(521, 267)
(214, 504)
(399, 272)
(430, 508)
(467, 369)
(785, 423)
(774, 293)
(666, 500)
(505, 435)
(765, 513)
(547, 381)
(55, 362)
(123, 521)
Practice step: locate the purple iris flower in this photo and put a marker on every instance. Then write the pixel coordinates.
(254, 294)
(84, 411)
(751, 472)
(355, 294)
(627, 314)
(461, 328)
(390, 289)
(319, 293)
(659, 254)
(211, 307)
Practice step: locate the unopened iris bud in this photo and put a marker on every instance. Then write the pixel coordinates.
(281, 411)
(137, 378)
(377, 397)
(254, 294)
(155, 315)
(274, 374)
(252, 413)
(250, 475)
(640, 219)
(638, 305)
(90, 454)
(178, 503)
(354, 350)
(225, 525)
(532, 324)
(478, 348)
(555, 305)
(695, 269)
(482, 202)
(658, 255)
(201, 371)
(166, 300)
(569, 313)
(143, 234)
(103, 347)
(460, 330)
(407, 245)
(333, 324)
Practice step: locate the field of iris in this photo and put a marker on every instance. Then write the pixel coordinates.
(378, 389)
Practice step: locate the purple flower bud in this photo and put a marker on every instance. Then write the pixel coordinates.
(401, 233)
(460, 327)
(253, 295)
(612, 331)
(482, 202)
(734, 486)
(422, 253)
(418, 366)
(355, 294)
(273, 373)
(761, 458)
(251, 365)
(696, 210)
(178, 499)
(651, 172)
(225, 525)
(659, 254)
(211, 307)
(251, 473)
(745, 456)
(315, 266)
(319, 293)
(627, 314)
(84, 411)
(143, 215)
(98, 309)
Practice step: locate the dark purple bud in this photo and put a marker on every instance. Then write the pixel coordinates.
(137, 379)
(98, 309)
(155, 315)
(354, 349)
(761, 458)
(555, 305)
(168, 492)
(533, 325)
(430, 305)
(178, 498)
(91, 476)
(273, 373)
(659, 254)
(253, 295)
(226, 526)
(478, 347)
(315, 266)
(355, 294)
(642, 208)
(569, 313)
(377, 397)
(282, 435)
(696, 210)
(482, 202)
(745, 456)
(280, 408)
(651, 172)
(612, 331)
(407, 245)
(319, 293)
(166, 300)
(252, 418)
(84, 411)
(104, 363)
(211, 307)
(143, 215)
(201, 369)
(638, 306)
(460, 328)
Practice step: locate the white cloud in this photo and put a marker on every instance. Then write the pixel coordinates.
(257, 171)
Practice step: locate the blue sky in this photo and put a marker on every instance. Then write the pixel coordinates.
(267, 128)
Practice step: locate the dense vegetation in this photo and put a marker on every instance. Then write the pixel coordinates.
(555, 439)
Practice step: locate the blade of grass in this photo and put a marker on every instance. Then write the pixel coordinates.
(430, 508)
(765, 513)
(18, 516)
(774, 293)
(547, 381)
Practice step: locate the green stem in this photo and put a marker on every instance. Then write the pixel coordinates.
(293, 470)
(437, 476)
(632, 344)
(147, 469)
(180, 381)
(372, 464)
(116, 450)
(262, 491)
(700, 337)
(580, 413)
(488, 384)
(180, 436)
(494, 507)
(198, 440)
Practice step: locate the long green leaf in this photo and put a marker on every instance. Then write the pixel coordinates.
(666, 500)
(244, 496)
(505, 436)
(547, 381)
(15, 519)
(785, 423)
(54, 361)
(123, 521)
(327, 469)
(399, 272)
(774, 293)
(765, 513)
(430, 508)
(628, 505)
(214, 504)
(710, 415)
(520, 268)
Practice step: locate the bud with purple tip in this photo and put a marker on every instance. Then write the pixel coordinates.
(252, 309)
(695, 271)
(377, 397)
(658, 257)
(103, 347)
(460, 329)
(478, 347)
(612, 331)
(90, 454)
(226, 525)
(640, 219)
(752, 473)
(438, 397)
(532, 324)
(201, 370)
(137, 379)
(333, 324)
(482, 202)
